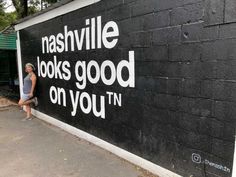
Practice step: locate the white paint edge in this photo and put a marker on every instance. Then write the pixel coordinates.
(74, 5)
(160, 171)
(234, 161)
(19, 62)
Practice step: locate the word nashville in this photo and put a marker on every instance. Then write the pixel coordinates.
(92, 36)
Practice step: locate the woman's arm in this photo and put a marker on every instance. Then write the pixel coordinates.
(33, 79)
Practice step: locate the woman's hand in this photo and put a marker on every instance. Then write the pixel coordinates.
(31, 95)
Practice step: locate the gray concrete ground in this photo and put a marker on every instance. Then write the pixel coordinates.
(36, 149)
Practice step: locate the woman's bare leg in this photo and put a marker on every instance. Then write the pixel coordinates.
(22, 102)
(28, 110)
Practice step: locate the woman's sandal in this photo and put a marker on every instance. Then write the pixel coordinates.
(35, 101)
(27, 118)
(30, 118)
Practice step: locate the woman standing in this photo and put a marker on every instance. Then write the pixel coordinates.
(28, 90)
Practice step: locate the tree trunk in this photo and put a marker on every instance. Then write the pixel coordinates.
(25, 8)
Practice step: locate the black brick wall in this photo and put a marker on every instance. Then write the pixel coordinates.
(184, 101)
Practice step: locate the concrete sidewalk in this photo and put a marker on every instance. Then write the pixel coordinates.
(36, 149)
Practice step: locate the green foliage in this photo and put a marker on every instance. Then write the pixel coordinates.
(21, 11)
(1, 7)
(6, 19)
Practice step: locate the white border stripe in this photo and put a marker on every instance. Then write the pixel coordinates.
(19, 62)
(162, 172)
(234, 162)
(74, 5)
